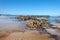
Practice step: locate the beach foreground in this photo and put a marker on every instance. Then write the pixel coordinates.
(27, 35)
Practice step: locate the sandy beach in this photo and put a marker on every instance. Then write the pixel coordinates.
(27, 35)
(11, 29)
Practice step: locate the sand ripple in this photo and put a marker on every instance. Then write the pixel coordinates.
(30, 35)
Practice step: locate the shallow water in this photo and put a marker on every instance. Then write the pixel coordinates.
(11, 24)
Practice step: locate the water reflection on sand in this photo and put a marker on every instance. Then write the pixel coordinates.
(11, 24)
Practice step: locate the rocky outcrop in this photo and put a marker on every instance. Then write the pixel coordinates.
(38, 23)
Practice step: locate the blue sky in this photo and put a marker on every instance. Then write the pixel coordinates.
(30, 7)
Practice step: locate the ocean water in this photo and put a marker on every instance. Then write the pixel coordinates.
(50, 19)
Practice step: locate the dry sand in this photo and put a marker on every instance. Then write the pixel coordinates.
(27, 35)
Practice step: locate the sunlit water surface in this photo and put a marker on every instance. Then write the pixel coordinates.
(7, 23)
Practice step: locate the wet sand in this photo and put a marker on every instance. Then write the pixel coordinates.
(27, 35)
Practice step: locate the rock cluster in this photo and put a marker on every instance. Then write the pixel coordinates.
(38, 23)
